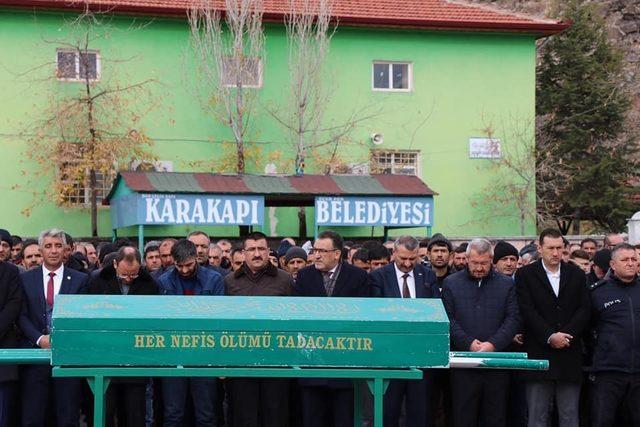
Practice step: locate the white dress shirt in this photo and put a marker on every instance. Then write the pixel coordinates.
(411, 283)
(554, 279)
(57, 279)
(57, 283)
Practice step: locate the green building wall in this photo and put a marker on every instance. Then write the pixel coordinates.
(462, 83)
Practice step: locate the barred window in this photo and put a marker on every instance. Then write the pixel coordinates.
(75, 184)
(396, 162)
(72, 65)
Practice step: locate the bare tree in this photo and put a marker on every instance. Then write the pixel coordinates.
(518, 161)
(90, 128)
(229, 64)
(310, 29)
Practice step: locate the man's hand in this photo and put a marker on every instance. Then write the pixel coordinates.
(44, 342)
(560, 340)
(519, 339)
(487, 346)
(475, 345)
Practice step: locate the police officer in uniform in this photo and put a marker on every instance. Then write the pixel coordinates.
(615, 303)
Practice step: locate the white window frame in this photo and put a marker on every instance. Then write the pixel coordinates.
(258, 86)
(76, 199)
(77, 78)
(390, 65)
(418, 164)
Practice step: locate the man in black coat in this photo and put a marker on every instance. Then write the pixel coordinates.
(554, 305)
(616, 357)
(10, 303)
(329, 402)
(125, 276)
(406, 277)
(483, 316)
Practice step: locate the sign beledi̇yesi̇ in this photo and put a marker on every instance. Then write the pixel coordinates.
(374, 211)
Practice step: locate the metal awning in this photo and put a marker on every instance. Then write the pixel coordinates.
(278, 190)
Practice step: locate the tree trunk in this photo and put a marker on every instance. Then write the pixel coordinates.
(576, 221)
(302, 223)
(94, 203)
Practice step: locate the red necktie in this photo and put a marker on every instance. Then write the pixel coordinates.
(405, 286)
(50, 290)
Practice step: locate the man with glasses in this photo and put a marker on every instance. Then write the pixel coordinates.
(125, 396)
(189, 278)
(483, 315)
(329, 402)
(258, 401)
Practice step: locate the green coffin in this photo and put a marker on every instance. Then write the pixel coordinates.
(104, 330)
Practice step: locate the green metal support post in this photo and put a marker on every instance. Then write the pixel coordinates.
(357, 399)
(99, 385)
(141, 238)
(378, 393)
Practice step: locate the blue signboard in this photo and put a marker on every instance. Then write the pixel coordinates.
(186, 209)
(371, 211)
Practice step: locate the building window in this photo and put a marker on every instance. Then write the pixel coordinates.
(395, 162)
(75, 185)
(392, 76)
(249, 70)
(74, 65)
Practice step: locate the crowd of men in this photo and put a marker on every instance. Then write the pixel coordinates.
(577, 306)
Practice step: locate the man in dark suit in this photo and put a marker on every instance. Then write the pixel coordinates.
(483, 316)
(405, 278)
(329, 402)
(10, 303)
(555, 308)
(125, 276)
(41, 286)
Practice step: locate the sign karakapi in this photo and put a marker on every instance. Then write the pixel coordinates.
(170, 209)
(374, 211)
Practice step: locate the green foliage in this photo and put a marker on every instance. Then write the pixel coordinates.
(582, 104)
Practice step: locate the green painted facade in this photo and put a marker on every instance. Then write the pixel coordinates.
(462, 83)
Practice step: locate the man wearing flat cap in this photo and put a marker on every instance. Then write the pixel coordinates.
(505, 258)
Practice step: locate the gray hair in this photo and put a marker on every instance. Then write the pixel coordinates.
(409, 242)
(151, 243)
(215, 246)
(480, 246)
(621, 247)
(52, 232)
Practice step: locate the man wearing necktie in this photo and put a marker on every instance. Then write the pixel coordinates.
(327, 403)
(41, 286)
(406, 277)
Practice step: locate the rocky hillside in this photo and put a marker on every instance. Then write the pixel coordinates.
(623, 19)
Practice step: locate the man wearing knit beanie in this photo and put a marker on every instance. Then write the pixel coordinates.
(5, 245)
(505, 258)
(295, 260)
